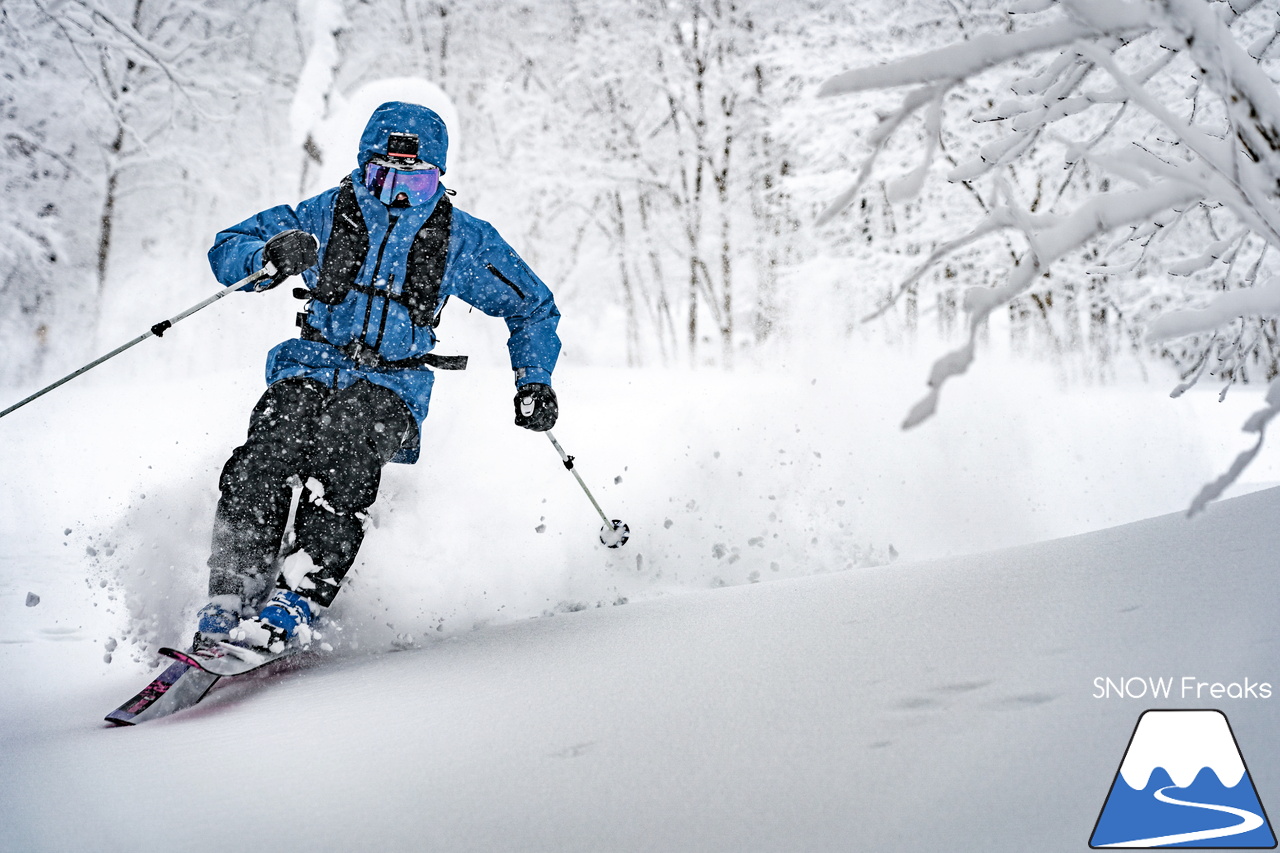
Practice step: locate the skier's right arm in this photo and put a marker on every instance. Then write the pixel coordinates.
(237, 251)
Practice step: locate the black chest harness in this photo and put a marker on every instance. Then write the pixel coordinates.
(345, 254)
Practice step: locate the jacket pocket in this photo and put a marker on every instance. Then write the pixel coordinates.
(508, 282)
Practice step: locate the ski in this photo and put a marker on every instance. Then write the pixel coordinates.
(225, 659)
(179, 686)
(183, 683)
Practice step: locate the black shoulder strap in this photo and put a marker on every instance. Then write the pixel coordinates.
(427, 257)
(345, 252)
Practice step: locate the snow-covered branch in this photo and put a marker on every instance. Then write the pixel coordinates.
(1263, 300)
(1192, 115)
(964, 60)
(1095, 218)
(879, 138)
(1257, 423)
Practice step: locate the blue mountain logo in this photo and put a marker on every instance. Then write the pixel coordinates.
(1183, 783)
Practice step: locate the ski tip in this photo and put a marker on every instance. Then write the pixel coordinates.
(118, 722)
(180, 656)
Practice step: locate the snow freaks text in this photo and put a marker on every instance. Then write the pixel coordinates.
(1185, 687)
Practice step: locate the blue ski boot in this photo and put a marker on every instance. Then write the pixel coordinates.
(216, 621)
(285, 619)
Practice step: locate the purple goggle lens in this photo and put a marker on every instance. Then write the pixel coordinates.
(387, 183)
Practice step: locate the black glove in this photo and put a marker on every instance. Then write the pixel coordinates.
(536, 407)
(289, 253)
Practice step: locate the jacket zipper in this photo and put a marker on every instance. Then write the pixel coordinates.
(377, 267)
(386, 304)
(511, 284)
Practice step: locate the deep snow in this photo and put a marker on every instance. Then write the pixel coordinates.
(938, 701)
(930, 706)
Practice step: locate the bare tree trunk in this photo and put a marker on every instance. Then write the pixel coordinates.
(121, 87)
(668, 338)
(692, 324)
(768, 225)
(107, 219)
(444, 39)
(628, 291)
(726, 270)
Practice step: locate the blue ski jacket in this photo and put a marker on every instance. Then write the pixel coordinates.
(480, 269)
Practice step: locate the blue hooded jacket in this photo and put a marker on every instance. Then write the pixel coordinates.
(480, 269)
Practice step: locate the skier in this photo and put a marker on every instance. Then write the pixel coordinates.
(380, 255)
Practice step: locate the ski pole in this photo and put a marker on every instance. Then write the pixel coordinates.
(615, 533)
(155, 331)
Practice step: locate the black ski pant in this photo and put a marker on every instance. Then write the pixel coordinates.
(336, 443)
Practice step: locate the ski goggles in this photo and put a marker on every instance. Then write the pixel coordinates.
(388, 183)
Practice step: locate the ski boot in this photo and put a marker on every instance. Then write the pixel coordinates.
(216, 621)
(285, 619)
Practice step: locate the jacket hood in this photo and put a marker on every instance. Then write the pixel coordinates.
(401, 117)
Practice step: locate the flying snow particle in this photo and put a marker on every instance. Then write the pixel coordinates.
(32, 599)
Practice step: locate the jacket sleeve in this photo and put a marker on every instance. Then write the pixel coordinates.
(237, 251)
(492, 277)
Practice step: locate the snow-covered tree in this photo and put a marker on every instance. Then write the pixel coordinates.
(677, 157)
(1164, 118)
(103, 100)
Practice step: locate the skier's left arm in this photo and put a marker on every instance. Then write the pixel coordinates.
(497, 281)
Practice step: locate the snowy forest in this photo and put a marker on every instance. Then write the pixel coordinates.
(679, 170)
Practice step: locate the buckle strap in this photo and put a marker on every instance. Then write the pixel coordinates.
(368, 357)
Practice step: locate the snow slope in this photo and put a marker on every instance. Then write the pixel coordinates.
(486, 692)
(940, 705)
